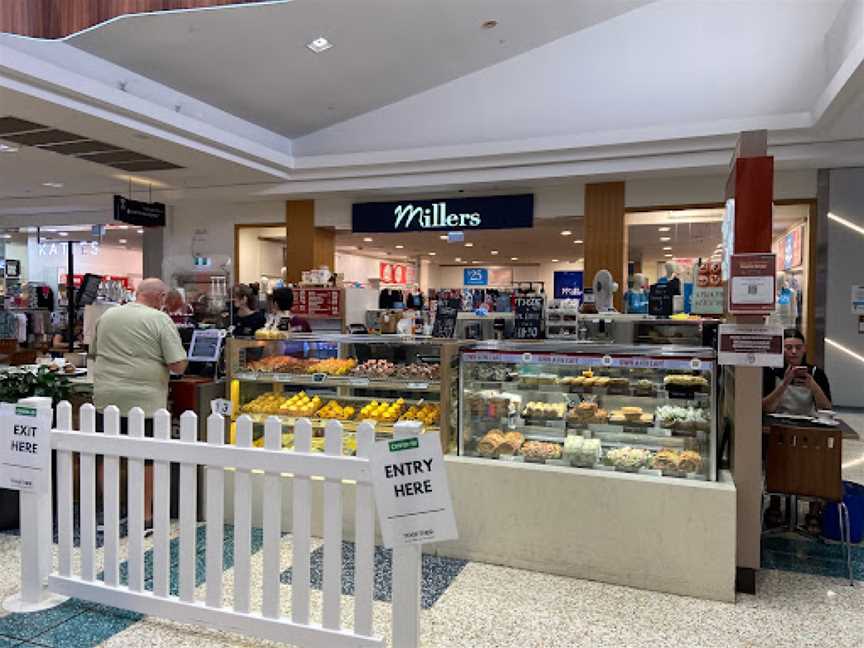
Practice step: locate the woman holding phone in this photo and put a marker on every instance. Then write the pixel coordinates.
(797, 388)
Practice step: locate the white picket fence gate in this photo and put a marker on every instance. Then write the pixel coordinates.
(278, 466)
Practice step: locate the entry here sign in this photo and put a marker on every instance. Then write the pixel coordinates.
(411, 491)
(25, 448)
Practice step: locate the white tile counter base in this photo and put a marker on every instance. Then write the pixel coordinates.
(666, 535)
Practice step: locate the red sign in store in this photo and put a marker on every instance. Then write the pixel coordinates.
(318, 302)
(395, 273)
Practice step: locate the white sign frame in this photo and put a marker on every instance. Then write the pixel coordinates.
(25, 448)
(752, 359)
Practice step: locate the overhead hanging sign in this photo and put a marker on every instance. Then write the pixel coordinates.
(450, 214)
(475, 277)
(411, 491)
(139, 213)
(749, 345)
(25, 448)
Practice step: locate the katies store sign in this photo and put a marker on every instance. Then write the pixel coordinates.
(489, 212)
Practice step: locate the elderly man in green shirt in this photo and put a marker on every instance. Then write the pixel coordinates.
(136, 346)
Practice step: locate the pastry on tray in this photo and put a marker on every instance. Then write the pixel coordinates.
(689, 461)
(511, 444)
(540, 450)
(666, 460)
(489, 444)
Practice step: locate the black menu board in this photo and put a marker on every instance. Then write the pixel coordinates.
(445, 318)
(528, 316)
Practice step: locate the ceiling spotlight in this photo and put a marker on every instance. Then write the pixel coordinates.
(140, 231)
(665, 238)
(432, 253)
(367, 239)
(664, 229)
(578, 241)
(53, 185)
(566, 233)
(64, 233)
(555, 261)
(668, 256)
(514, 258)
(443, 237)
(475, 262)
(494, 252)
(122, 241)
(319, 45)
(5, 148)
(458, 259)
(399, 247)
(668, 247)
(469, 245)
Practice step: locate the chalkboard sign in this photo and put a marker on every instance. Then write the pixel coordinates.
(528, 317)
(445, 318)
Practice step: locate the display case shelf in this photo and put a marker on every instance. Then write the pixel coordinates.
(355, 382)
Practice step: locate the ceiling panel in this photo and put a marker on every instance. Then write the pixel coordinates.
(15, 125)
(50, 136)
(80, 148)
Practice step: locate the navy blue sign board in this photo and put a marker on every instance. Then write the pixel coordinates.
(475, 277)
(568, 284)
(449, 214)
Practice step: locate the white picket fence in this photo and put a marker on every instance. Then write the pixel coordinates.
(278, 466)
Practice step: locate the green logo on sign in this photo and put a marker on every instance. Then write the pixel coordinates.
(25, 411)
(404, 444)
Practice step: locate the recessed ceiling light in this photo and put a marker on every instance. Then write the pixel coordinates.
(667, 247)
(514, 258)
(64, 233)
(457, 259)
(122, 241)
(489, 24)
(443, 237)
(399, 247)
(555, 261)
(578, 241)
(469, 245)
(664, 229)
(475, 262)
(668, 256)
(319, 45)
(566, 233)
(432, 253)
(367, 239)
(53, 185)
(494, 252)
(665, 238)
(5, 148)
(140, 231)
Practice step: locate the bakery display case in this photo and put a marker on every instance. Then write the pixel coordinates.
(351, 378)
(648, 410)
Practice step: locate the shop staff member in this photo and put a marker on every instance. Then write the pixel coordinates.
(282, 318)
(135, 346)
(248, 318)
(798, 388)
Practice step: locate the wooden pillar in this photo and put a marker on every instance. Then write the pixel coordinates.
(307, 246)
(605, 235)
(751, 183)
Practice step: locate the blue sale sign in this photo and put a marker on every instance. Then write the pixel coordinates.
(475, 277)
(568, 284)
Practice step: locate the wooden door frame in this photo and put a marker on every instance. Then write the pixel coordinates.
(241, 226)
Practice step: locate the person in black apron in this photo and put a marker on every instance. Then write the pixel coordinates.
(798, 388)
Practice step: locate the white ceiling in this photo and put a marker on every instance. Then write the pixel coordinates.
(251, 60)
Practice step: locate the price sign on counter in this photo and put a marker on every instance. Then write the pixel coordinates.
(528, 318)
(25, 448)
(221, 406)
(411, 491)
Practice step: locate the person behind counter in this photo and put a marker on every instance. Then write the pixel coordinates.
(176, 307)
(281, 317)
(61, 337)
(797, 388)
(136, 346)
(248, 318)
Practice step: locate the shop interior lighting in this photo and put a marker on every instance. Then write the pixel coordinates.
(5, 148)
(578, 241)
(469, 245)
(846, 223)
(458, 259)
(400, 247)
(475, 262)
(665, 238)
(367, 239)
(122, 241)
(514, 258)
(844, 349)
(664, 229)
(64, 233)
(494, 252)
(53, 185)
(432, 253)
(319, 45)
(667, 248)
(555, 261)
(6, 236)
(566, 233)
(667, 255)
(140, 231)
(123, 227)
(443, 237)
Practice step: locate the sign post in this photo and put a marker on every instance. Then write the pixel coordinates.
(25, 466)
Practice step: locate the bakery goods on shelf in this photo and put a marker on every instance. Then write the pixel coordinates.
(581, 451)
(540, 451)
(383, 411)
(666, 460)
(536, 409)
(690, 461)
(628, 459)
(685, 380)
(278, 364)
(487, 445)
(428, 414)
(333, 410)
(374, 369)
(419, 371)
(300, 405)
(332, 366)
(683, 418)
(512, 443)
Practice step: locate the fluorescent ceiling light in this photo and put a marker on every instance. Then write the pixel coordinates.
(399, 247)
(475, 262)
(566, 233)
(443, 237)
(64, 233)
(469, 245)
(578, 241)
(664, 229)
(494, 252)
(319, 45)
(6, 236)
(122, 227)
(842, 348)
(668, 256)
(53, 185)
(665, 238)
(432, 253)
(514, 258)
(666, 248)
(367, 239)
(846, 223)
(555, 261)
(5, 148)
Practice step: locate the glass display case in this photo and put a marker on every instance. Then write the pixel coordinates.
(351, 378)
(649, 410)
